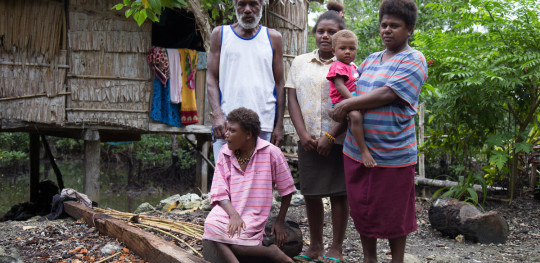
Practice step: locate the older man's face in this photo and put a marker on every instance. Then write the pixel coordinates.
(248, 13)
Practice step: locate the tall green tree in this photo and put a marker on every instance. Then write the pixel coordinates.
(484, 68)
(362, 17)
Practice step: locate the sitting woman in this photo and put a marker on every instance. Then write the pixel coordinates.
(246, 171)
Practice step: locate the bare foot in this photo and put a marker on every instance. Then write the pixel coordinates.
(369, 162)
(279, 256)
(313, 252)
(333, 253)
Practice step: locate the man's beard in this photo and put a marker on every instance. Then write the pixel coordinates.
(251, 25)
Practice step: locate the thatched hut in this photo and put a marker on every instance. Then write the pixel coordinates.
(76, 68)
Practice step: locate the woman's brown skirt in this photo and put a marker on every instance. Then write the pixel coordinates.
(382, 200)
(321, 176)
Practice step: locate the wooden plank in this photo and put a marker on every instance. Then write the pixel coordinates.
(195, 128)
(200, 86)
(203, 147)
(144, 244)
(34, 166)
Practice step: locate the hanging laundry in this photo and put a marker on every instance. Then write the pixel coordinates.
(175, 68)
(188, 109)
(162, 109)
(157, 59)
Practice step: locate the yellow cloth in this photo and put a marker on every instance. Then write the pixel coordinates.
(188, 108)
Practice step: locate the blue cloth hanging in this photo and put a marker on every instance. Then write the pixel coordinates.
(162, 109)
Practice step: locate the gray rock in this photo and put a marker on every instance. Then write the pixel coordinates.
(110, 249)
(297, 200)
(179, 201)
(408, 258)
(205, 196)
(166, 203)
(441, 259)
(191, 204)
(11, 256)
(8, 259)
(190, 198)
(144, 208)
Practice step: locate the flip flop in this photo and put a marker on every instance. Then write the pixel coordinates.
(303, 258)
(331, 258)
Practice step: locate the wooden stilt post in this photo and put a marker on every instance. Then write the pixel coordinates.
(421, 157)
(91, 164)
(34, 166)
(203, 146)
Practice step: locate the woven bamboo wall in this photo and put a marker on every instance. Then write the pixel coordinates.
(109, 80)
(32, 61)
(290, 19)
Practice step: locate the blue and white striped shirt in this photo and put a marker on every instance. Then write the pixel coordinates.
(389, 130)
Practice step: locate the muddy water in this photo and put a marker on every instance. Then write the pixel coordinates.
(15, 189)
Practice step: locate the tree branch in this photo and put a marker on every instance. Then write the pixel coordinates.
(532, 110)
(201, 18)
(498, 30)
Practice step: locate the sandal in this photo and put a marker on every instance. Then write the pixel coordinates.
(303, 258)
(331, 258)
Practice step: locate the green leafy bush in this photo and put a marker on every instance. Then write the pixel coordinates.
(484, 65)
(13, 148)
(464, 190)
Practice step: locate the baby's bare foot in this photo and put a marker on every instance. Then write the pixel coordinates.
(369, 162)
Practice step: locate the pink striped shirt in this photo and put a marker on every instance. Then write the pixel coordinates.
(250, 192)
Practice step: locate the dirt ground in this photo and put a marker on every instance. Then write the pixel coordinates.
(65, 240)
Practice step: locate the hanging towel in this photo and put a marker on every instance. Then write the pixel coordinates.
(175, 67)
(157, 59)
(162, 109)
(188, 109)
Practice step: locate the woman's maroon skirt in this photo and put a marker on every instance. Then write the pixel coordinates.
(381, 199)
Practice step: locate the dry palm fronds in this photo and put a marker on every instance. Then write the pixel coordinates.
(175, 237)
(180, 227)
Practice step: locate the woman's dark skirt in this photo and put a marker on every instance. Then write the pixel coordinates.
(381, 199)
(321, 176)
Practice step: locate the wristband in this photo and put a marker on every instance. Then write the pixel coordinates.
(331, 138)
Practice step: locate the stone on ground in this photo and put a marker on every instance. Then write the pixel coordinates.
(144, 208)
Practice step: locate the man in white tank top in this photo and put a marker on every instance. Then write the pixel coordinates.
(245, 69)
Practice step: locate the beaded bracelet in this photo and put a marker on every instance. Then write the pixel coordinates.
(331, 138)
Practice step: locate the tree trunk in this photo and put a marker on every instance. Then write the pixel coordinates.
(202, 20)
(445, 183)
(452, 217)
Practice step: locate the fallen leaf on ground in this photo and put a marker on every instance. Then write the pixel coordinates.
(75, 250)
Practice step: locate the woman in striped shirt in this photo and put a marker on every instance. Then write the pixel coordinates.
(382, 199)
(247, 170)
